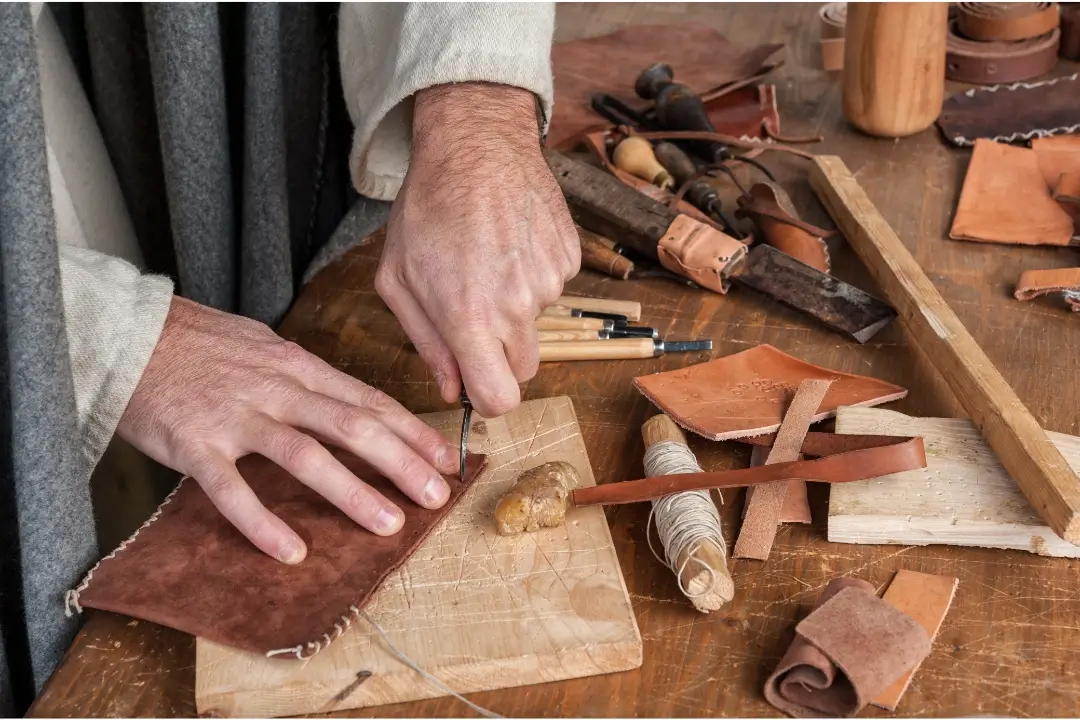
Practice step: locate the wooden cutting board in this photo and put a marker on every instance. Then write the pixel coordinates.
(963, 497)
(476, 610)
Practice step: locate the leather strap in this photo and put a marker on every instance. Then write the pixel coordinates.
(996, 61)
(858, 457)
(832, 17)
(1034, 283)
(1006, 21)
(1070, 31)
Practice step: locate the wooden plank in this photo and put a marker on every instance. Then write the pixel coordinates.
(1045, 478)
(476, 610)
(963, 497)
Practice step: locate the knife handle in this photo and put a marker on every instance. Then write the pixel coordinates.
(627, 349)
(546, 336)
(552, 322)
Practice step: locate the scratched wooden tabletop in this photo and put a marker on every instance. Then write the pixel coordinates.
(1007, 647)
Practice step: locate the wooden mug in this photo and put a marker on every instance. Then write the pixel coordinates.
(894, 66)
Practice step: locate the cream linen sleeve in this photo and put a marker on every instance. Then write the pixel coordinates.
(113, 315)
(389, 51)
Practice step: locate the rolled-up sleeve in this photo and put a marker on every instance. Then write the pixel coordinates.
(390, 51)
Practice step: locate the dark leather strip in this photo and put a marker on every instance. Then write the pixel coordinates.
(884, 456)
(994, 62)
(1006, 21)
(1070, 31)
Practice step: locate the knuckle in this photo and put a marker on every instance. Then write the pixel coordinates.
(503, 401)
(290, 354)
(223, 488)
(356, 499)
(301, 452)
(409, 466)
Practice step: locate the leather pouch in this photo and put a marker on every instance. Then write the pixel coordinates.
(188, 568)
(775, 217)
(851, 647)
(1006, 200)
(745, 394)
(1012, 113)
(700, 57)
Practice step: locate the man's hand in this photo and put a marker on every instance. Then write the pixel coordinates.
(219, 386)
(478, 243)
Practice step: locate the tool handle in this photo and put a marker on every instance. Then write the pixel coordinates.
(629, 308)
(545, 336)
(598, 253)
(675, 160)
(551, 322)
(588, 350)
(635, 156)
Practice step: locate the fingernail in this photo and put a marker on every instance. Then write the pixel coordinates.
(436, 493)
(389, 520)
(291, 553)
(448, 458)
(440, 380)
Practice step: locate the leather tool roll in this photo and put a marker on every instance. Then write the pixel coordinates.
(856, 457)
(832, 18)
(1070, 31)
(998, 61)
(1006, 21)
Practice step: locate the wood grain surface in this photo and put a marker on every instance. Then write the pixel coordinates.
(1008, 645)
(476, 610)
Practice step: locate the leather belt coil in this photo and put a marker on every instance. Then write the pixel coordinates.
(994, 43)
(832, 18)
(1006, 21)
(1070, 31)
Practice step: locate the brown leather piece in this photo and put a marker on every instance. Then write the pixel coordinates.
(700, 252)
(850, 648)
(744, 394)
(1006, 21)
(1033, 283)
(796, 503)
(765, 507)
(1057, 156)
(1012, 114)
(701, 58)
(886, 456)
(768, 206)
(1005, 200)
(746, 112)
(191, 570)
(1070, 31)
(1066, 193)
(995, 62)
(832, 20)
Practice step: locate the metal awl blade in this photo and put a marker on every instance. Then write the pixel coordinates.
(465, 429)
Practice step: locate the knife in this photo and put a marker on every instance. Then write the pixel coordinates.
(466, 416)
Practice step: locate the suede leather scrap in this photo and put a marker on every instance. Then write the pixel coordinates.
(191, 570)
(851, 647)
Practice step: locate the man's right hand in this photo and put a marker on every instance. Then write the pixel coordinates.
(220, 386)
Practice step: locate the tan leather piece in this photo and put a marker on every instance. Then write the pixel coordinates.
(850, 648)
(796, 502)
(869, 456)
(765, 507)
(926, 598)
(1005, 200)
(700, 252)
(1057, 156)
(744, 394)
(1006, 21)
(1066, 193)
(995, 62)
(701, 58)
(832, 20)
(1034, 283)
(768, 206)
(191, 570)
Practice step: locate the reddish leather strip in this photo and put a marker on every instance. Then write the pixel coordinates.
(886, 455)
(1006, 21)
(994, 62)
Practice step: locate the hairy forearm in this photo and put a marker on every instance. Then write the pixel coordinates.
(466, 112)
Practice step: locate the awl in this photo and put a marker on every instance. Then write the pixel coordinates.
(626, 349)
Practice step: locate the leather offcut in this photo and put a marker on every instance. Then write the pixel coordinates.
(768, 206)
(847, 651)
(1006, 21)
(191, 570)
(1066, 282)
(1011, 113)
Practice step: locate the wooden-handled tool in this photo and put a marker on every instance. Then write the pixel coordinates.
(625, 349)
(1036, 465)
(630, 309)
(598, 253)
(552, 322)
(635, 156)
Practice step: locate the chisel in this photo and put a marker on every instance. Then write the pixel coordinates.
(617, 349)
(561, 311)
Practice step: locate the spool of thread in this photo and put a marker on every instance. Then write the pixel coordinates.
(894, 66)
(687, 523)
(635, 155)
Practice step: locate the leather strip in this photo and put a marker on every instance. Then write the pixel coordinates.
(764, 509)
(1034, 283)
(1006, 21)
(775, 217)
(994, 62)
(832, 18)
(1070, 31)
(189, 569)
(1011, 113)
(745, 144)
(700, 252)
(884, 456)
(796, 503)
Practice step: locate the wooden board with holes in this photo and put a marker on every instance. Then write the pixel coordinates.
(963, 497)
(476, 610)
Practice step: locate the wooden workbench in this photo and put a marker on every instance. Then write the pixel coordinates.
(1008, 646)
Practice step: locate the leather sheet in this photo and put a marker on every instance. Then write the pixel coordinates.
(1034, 283)
(1009, 113)
(744, 394)
(191, 570)
(850, 648)
(1006, 200)
(701, 58)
